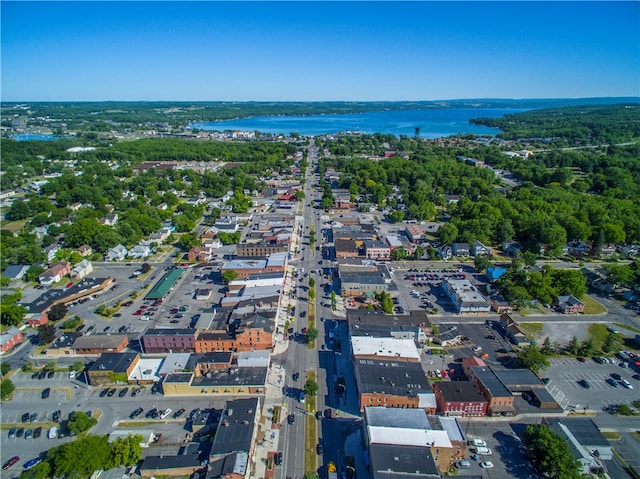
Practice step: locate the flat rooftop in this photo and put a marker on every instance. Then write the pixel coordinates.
(399, 378)
(385, 347)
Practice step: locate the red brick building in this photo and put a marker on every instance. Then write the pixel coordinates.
(459, 398)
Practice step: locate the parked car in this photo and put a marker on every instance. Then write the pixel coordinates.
(46, 392)
(12, 432)
(104, 392)
(178, 413)
(37, 432)
(584, 383)
(151, 413)
(123, 392)
(32, 462)
(10, 462)
(291, 418)
(33, 417)
(277, 458)
(26, 416)
(111, 392)
(320, 449)
(165, 413)
(626, 384)
(616, 376)
(318, 415)
(28, 434)
(486, 464)
(612, 382)
(136, 413)
(20, 432)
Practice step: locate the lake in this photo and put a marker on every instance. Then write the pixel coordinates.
(432, 123)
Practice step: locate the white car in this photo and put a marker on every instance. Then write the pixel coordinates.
(72, 374)
(477, 348)
(165, 413)
(626, 384)
(486, 464)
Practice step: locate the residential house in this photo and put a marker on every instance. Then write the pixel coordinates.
(444, 251)
(10, 338)
(569, 305)
(16, 272)
(228, 224)
(117, 253)
(110, 219)
(478, 249)
(460, 249)
(85, 250)
(513, 331)
(55, 273)
(140, 251)
(51, 251)
(512, 248)
(200, 254)
(82, 269)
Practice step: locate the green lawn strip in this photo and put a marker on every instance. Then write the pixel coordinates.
(311, 433)
(625, 326)
(532, 329)
(591, 306)
(611, 435)
(598, 332)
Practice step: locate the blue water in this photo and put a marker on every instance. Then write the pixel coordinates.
(34, 137)
(432, 123)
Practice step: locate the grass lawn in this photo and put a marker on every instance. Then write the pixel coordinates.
(598, 332)
(630, 328)
(532, 329)
(611, 435)
(591, 306)
(311, 433)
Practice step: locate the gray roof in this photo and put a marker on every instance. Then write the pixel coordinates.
(518, 377)
(14, 271)
(233, 376)
(152, 463)
(390, 461)
(490, 381)
(393, 417)
(116, 362)
(178, 378)
(583, 429)
(216, 357)
(459, 391)
(46, 299)
(399, 378)
(235, 430)
(99, 341)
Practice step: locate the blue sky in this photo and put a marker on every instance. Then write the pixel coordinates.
(304, 51)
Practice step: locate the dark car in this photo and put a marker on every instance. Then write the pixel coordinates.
(42, 374)
(178, 413)
(152, 413)
(277, 458)
(26, 416)
(56, 416)
(291, 418)
(546, 380)
(318, 415)
(111, 392)
(46, 392)
(135, 392)
(136, 413)
(320, 449)
(106, 329)
(194, 413)
(123, 392)
(584, 383)
(328, 413)
(33, 417)
(37, 432)
(10, 462)
(12, 432)
(616, 376)
(35, 375)
(612, 382)
(295, 376)
(20, 432)
(104, 392)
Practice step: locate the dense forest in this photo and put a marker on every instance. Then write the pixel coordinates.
(580, 125)
(563, 195)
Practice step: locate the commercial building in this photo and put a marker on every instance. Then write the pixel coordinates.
(112, 368)
(169, 340)
(499, 398)
(465, 297)
(100, 343)
(459, 399)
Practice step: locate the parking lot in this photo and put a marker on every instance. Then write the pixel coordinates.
(422, 288)
(111, 410)
(565, 374)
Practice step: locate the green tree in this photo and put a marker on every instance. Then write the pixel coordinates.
(397, 216)
(573, 346)
(550, 452)
(547, 348)
(229, 275)
(46, 333)
(33, 272)
(5, 367)
(189, 240)
(51, 366)
(80, 422)
(310, 387)
(532, 358)
(481, 263)
(57, 312)
(312, 334)
(609, 343)
(619, 274)
(312, 282)
(12, 314)
(587, 347)
(77, 366)
(80, 458)
(146, 267)
(418, 253)
(125, 451)
(6, 388)
(28, 366)
(399, 254)
(40, 471)
(448, 233)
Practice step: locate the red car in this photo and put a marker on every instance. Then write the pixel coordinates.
(138, 313)
(127, 304)
(69, 285)
(10, 462)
